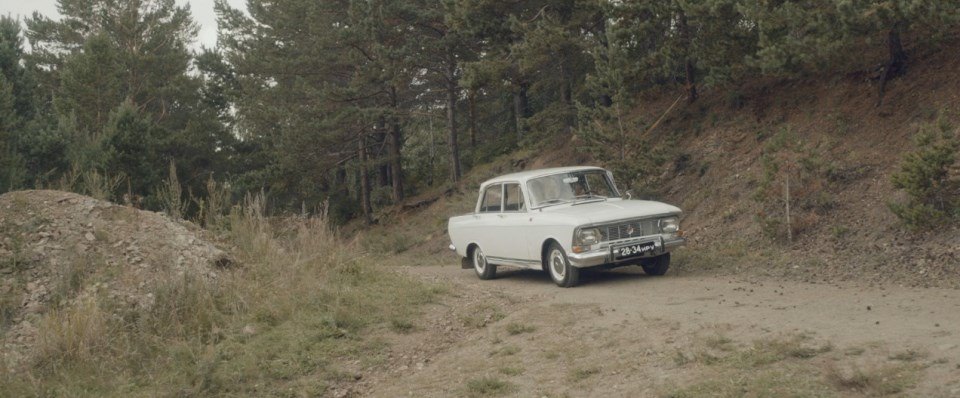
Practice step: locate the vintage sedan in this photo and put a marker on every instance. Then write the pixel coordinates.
(562, 220)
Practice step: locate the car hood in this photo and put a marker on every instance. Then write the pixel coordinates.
(612, 210)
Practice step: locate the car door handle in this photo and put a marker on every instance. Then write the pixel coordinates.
(502, 215)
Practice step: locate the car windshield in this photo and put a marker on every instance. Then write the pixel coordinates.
(570, 187)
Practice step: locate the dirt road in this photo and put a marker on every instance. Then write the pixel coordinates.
(622, 333)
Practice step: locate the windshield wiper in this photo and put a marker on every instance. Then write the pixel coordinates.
(553, 201)
(588, 198)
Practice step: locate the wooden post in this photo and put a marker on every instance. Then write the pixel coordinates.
(786, 193)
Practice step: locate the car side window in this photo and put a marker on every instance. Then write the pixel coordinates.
(491, 199)
(514, 198)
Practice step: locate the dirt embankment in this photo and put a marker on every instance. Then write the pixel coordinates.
(848, 147)
(58, 248)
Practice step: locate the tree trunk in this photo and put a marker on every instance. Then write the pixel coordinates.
(472, 102)
(897, 63)
(566, 95)
(691, 82)
(396, 141)
(383, 168)
(688, 70)
(341, 180)
(606, 100)
(520, 108)
(452, 122)
(365, 206)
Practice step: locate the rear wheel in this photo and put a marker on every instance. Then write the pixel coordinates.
(484, 269)
(656, 266)
(562, 273)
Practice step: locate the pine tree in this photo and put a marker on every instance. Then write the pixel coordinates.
(142, 44)
(130, 146)
(10, 169)
(498, 27)
(823, 35)
(107, 62)
(16, 107)
(687, 42)
(91, 83)
(606, 129)
(925, 175)
(299, 94)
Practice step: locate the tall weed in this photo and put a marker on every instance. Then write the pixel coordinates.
(299, 300)
(170, 194)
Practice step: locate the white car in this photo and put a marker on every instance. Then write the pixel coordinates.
(562, 220)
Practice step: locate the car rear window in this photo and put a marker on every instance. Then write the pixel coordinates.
(491, 199)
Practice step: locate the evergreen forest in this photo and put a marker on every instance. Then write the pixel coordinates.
(355, 105)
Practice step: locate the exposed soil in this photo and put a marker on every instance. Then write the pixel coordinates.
(848, 232)
(620, 334)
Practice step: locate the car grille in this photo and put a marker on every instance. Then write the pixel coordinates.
(629, 229)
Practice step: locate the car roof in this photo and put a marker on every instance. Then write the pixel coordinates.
(525, 175)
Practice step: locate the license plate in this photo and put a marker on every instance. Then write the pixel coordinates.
(635, 250)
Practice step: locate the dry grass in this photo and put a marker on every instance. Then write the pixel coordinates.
(581, 374)
(300, 300)
(488, 387)
(876, 381)
(514, 328)
(75, 334)
(484, 315)
(784, 367)
(511, 370)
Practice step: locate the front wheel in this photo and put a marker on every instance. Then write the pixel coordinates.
(562, 273)
(656, 266)
(484, 269)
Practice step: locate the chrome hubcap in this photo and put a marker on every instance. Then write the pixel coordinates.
(557, 265)
(479, 261)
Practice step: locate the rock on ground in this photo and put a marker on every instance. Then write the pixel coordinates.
(58, 247)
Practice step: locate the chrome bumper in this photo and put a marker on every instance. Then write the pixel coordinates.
(603, 254)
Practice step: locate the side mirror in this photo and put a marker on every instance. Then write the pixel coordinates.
(629, 195)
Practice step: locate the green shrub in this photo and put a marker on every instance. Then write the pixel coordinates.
(933, 191)
(794, 191)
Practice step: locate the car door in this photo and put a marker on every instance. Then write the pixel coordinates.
(514, 223)
(488, 221)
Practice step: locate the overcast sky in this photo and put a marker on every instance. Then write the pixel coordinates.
(202, 11)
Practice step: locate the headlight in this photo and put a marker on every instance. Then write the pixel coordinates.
(588, 236)
(669, 225)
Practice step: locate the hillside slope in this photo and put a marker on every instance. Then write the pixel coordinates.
(847, 232)
(715, 151)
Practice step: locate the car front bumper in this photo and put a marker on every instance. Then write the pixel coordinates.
(604, 255)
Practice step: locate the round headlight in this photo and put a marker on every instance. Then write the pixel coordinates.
(589, 236)
(669, 225)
